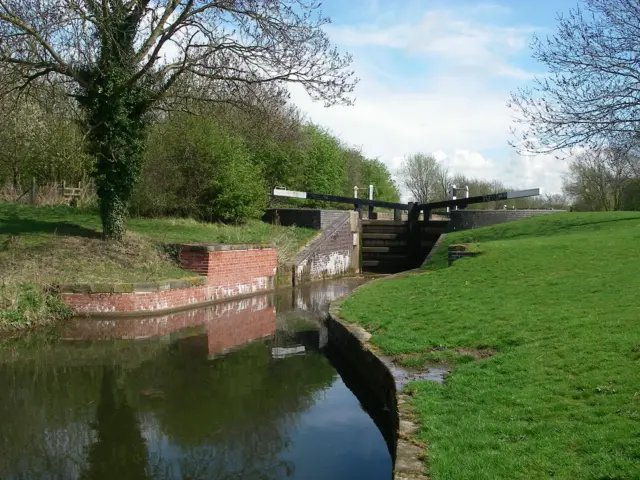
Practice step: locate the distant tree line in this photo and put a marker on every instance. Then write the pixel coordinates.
(604, 179)
(427, 180)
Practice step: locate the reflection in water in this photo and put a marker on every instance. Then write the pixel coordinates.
(194, 401)
(119, 451)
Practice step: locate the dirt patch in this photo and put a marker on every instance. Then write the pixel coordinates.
(438, 356)
(477, 353)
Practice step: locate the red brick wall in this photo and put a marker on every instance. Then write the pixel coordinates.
(226, 325)
(230, 266)
(229, 274)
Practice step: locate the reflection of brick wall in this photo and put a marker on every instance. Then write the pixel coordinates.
(231, 271)
(239, 327)
(227, 325)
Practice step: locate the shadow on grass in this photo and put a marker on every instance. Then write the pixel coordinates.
(18, 226)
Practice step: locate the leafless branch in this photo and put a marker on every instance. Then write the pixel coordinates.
(591, 96)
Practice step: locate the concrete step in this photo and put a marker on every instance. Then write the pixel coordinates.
(383, 223)
(390, 257)
(381, 250)
(382, 236)
(398, 266)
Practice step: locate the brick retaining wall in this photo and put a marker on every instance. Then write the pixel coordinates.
(228, 271)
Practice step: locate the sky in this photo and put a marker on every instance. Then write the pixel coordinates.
(435, 77)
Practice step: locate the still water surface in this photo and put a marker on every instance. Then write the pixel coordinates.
(240, 390)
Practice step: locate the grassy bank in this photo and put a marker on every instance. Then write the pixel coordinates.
(55, 245)
(544, 331)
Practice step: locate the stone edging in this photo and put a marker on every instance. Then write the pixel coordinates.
(219, 247)
(409, 455)
(138, 287)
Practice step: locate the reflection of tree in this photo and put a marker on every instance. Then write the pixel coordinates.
(43, 411)
(226, 419)
(119, 451)
(232, 414)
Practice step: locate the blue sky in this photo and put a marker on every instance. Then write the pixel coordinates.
(436, 77)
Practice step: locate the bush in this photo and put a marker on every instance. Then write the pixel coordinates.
(196, 168)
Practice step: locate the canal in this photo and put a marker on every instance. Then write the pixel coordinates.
(239, 390)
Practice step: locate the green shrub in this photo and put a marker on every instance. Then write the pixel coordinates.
(196, 168)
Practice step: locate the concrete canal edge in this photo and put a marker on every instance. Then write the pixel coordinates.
(352, 341)
(372, 368)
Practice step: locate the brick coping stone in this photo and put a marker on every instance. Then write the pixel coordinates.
(137, 287)
(220, 247)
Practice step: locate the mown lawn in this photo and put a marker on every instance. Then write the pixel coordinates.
(556, 301)
(57, 245)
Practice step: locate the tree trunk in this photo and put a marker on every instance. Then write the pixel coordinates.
(114, 212)
(116, 139)
(116, 122)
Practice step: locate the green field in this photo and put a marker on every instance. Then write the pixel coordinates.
(543, 330)
(57, 245)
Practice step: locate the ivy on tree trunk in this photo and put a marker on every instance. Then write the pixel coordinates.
(116, 123)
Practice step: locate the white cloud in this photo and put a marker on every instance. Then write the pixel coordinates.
(457, 110)
(443, 35)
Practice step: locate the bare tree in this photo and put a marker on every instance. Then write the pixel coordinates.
(443, 182)
(121, 58)
(591, 96)
(424, 177)
(597, 178)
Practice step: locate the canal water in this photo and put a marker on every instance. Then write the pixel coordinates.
(240, 390)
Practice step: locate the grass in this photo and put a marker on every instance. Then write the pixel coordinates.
(555, 300)
(57, 245)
